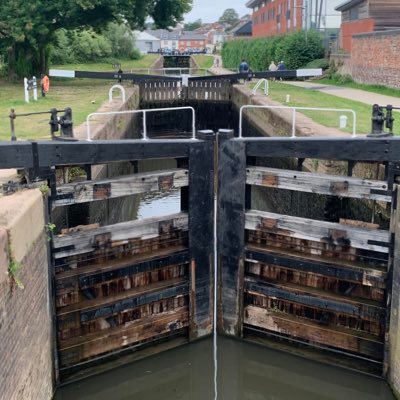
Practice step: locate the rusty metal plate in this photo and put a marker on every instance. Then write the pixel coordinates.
(165, 182)
(270, 180)
(268, 224)
(101, 191)
(339, 187)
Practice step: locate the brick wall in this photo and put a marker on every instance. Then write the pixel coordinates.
(375, 58)
(348, 29)
(26, 367)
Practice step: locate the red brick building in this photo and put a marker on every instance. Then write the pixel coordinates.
(363, 16)
(275, 17)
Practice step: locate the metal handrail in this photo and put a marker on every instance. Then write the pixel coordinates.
(144, 112)
(259, 83)
(294, 109)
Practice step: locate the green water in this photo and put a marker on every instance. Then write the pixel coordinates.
(245, 372)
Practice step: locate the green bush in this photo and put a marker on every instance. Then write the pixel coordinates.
(79, 46)
(319, 63)
(295, 49)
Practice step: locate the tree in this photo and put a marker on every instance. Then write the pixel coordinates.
(230, 17)
(28, 27)
(191, 26)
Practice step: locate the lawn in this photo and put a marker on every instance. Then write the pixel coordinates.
(204, 61)
(84, 96)
(300, 97)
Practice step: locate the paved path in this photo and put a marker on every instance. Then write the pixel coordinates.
(348, 93)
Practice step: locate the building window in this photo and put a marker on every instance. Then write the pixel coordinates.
(354, 13)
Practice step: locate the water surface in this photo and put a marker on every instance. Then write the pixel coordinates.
(245, 372)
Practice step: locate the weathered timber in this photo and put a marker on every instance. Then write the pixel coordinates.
(86, 191)
(136, 331)
(319, 231)
(276, 273)
(73, 291)
(87, 241)
(362, 275)
(98, 272)
(364, 309)
(201, 233)
(323, 317)
(358, 149)
(230, 222)
(319, 183)
(344, 339)
(72, 327)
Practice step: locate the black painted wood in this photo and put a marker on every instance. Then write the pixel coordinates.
(230, 222)
(358, 149)
(201, 232)
(350, 307)
(356, 274)
(102, 151)
(16, 155)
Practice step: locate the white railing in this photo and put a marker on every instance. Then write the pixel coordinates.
(258, 85)
(121, 89)
(144, 112)
(294, 109)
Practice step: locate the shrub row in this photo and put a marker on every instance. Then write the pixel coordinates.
(86, 45)
(295, 49)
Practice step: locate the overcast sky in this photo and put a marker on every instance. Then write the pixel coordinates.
(211, 10)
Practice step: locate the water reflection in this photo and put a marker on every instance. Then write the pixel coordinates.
(156, 204)
(246, 372)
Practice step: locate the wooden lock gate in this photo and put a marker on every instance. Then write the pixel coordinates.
(286, 277)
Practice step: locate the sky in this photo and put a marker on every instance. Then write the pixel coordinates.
(211, 10)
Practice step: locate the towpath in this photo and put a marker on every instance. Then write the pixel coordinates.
(349, 93)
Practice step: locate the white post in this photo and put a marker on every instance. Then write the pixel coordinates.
(34, 88)
(26, 91)
(144, 126)
(294, 123)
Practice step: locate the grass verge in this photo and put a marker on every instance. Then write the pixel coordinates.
(204, 61)
(84, 96)
(379, 89)
(300, 97)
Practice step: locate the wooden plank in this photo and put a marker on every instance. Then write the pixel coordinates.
(201, 233)
(16, 155)
(86, 191)
(344, 339)
(307, 296)
(137, 263)
(230, 222)
(89, 240)
(357, 149)
(104, 151)
(365, 276)
(134, 332)
(319, 231)
(89, 309)
(342, 186)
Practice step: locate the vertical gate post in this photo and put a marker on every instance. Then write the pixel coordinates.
(231, 222)
(201, 234)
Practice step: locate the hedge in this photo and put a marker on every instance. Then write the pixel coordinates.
(295, 49)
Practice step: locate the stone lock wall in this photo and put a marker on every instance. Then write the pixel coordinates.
(26, 351)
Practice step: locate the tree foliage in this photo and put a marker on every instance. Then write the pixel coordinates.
(28, 27)
(191, 26)
(295, 49)
(230, 17)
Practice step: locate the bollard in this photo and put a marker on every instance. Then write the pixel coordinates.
(288, 98)
(343, 122)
